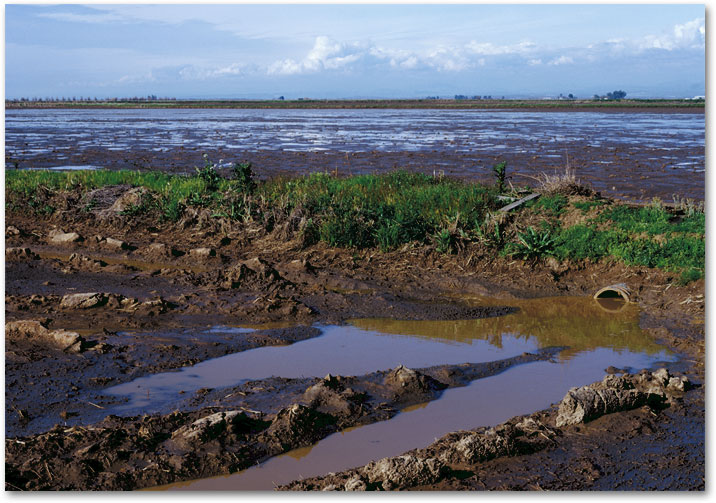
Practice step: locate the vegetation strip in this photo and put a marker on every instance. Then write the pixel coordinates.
(399, 208)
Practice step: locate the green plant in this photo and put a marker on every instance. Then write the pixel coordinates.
(387, 235)
(197, 199)
(244, 176)
(208, 174)
(500, 171)
(689, 275)
(552, 204)
(444, 241)
(533, 243)
(588, 205)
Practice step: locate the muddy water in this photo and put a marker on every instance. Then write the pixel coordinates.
(581, 324)
(598, 336)
(486, 402)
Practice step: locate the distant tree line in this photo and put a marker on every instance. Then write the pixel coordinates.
(87, 99)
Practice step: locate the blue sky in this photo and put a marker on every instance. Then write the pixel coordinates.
(353, 51)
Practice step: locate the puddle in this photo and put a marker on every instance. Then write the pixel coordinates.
(598, 335)
(368, 345)
(521, 390)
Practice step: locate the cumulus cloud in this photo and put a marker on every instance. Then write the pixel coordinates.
(690, 35)
(326, 54)
(329, 54)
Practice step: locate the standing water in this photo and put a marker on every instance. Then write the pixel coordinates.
(597, 336)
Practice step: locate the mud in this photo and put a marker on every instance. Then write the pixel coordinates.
(116, 299)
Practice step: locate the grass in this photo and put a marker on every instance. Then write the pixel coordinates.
(389, 210)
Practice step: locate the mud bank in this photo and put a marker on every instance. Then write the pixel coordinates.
(93, 302)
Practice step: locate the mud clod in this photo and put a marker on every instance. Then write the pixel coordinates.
(83, 300)
(20, 254)
(60, 237)
(403, 381)
(37, 332)
(615, 394)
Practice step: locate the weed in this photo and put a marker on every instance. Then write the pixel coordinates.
(208, 174)
(553, 204)
(533, 243)
(387, 235)
(689, 275)
(244, 176)
(500, 171)
(585, 206)
(689, 206)
(444, 241)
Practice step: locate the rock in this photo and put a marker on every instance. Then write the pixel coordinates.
(11, 230)
(37, 331)
(252, 274)
(329, 397)
(202, 253)
(85, 262)
(556, 266)
(116, 244)
(83, 300)
(127, 201)
(681, 383)
(403, 472)
(60, 237)
(20, 254)
(513, 438)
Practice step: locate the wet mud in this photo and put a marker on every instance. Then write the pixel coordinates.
(121, 299)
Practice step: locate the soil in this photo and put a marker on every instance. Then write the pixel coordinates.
(157, 287)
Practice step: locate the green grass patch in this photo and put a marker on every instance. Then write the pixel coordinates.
(585, 206)
(550, 205)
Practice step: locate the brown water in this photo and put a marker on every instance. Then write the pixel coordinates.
(597, 338)
(378, 344)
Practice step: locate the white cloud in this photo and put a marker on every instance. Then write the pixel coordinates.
(490, 49)
(690, 35)
(326, 54)
(562, 60)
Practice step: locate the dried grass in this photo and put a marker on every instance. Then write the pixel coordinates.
(565, 183)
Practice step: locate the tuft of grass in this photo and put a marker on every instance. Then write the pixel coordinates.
(554, 204)
(585, 206)
(532, 244)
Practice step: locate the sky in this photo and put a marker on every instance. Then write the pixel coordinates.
(260, 51)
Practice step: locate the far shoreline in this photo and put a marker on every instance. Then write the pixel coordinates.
(630, 106)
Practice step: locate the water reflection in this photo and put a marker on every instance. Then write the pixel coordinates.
(581, 323)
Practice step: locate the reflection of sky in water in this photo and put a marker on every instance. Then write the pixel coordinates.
(34, 132)
(608, 338)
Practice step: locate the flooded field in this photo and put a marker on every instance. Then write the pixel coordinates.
(637, 155)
